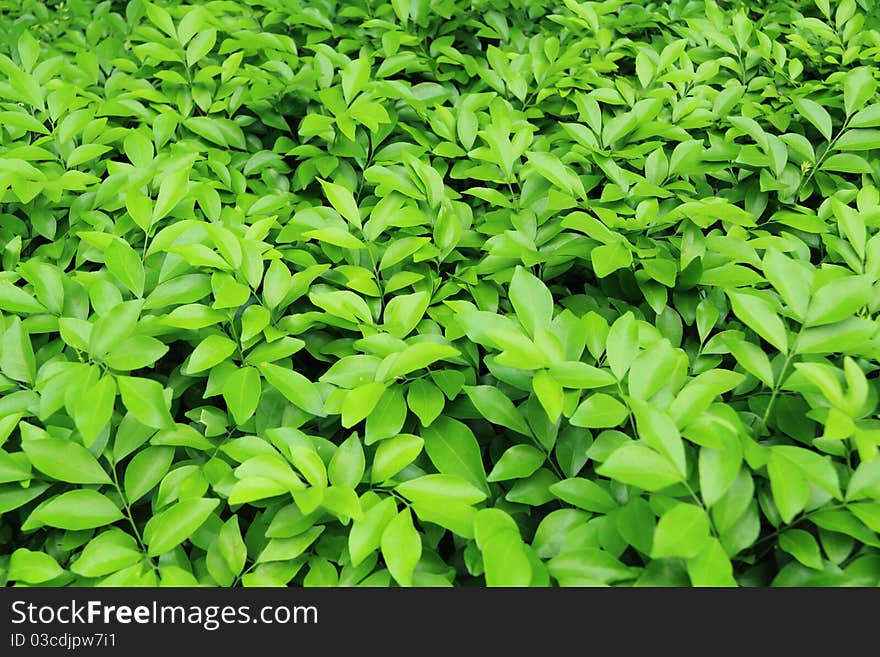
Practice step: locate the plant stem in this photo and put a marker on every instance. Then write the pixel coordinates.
(783, 373)
(128, 515)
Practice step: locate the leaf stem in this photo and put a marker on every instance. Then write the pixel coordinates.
(128, 515)
(797, 521)
(821, 159)
(783, 373)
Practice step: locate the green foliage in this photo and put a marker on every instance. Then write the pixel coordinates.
(502, 292)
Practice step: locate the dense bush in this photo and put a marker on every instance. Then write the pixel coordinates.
(439, 292)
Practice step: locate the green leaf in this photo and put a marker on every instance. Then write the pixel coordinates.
(268, 466)
(752, 359)
(401, 547)
(17, 360)
(815, 114)
(363, 400)
(789, 486)
(211, 351)
(506, 561)
(550, 167)
(531, 300)
(91, 415)
(341, 303)
(404, 312)
(65, 460)
(366, 534)
(549, 393)
(201, 44)
(15, 300)
(682, 531)
(286, 549)
(758, 314)
(639, 466)
(241, 391)
(393, 455)
(355, 76)
(869, 514)
(346, 468)
(848, 336)
(232, 546)
(455, 516)
(177, 523)
(628, 284)
(13, 496)
(718, 470)
(608, 258)
(865, 481)
(145, 400)
(454, 450)
(622, 344)
(414, 357)
(858, 140)
(161, 19)
(574, 374)
(802, 546)
(599, 411)
(584, 494)
(711, 567)
(846, 163)
(386, 417)
(425, 400)
(659, 431)
(401, 249)
(78, 509)
(295, 387)
(588, 567)
(440, 488)
(859, 86)
(208, 128)
(838, 300)
(146, 470)
(652, 367)
(126, 265)
(343, 201)
(309, 463)
(111, 329)
(817, 469)
(869, 117)
(790, 279)
(517, 462)
(109, 552)
(699, 393)
(14, 467)
(342, 501)
(504, 556)
(402, 9)
(497, 408)
(173, 188)
(32, 567)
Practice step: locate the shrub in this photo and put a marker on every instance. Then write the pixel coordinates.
(439, 292)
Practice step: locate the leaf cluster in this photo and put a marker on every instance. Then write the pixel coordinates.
(439, 292)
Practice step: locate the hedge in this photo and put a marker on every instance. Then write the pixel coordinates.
(437, 292)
